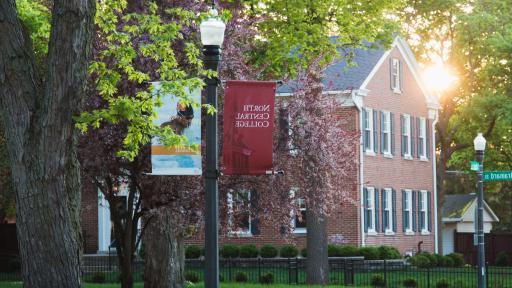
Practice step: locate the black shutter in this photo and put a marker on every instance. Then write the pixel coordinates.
(414, 210)
(428, 132)
(363, 130)
(411, 137)
(383, 211)
(421, 217)
(404, 221)
(429, 211)
(418, 128)
(365, 201)
(402, 129)
(393, 207)
(392, 127)
(382, 132)
(376, 207)
(375, 131)
(255, 221)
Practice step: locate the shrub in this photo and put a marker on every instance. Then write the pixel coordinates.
(241, 277)
(333, 250)
(446, 261)
(98, 277)
(458, 259)
(410, 282)
(442, 283)
(440, 260)
(289, 251)
(229, 251)
(369, 253)
(192, 276)
(420, 261)
(388, 252)
(193, 252)
(502, 259)
(432, 258)
(268, 251)
(377, 280)
(267, 278)
(304, 252)
(348, 251)
(249, 251)
(221, 278)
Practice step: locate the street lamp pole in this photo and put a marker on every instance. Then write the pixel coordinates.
(479, 143)
(212, 36)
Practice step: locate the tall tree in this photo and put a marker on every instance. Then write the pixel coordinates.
(37, 112)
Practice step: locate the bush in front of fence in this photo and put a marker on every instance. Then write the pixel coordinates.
(98, 277)
(248, 251)
(268, 251)
(349, 251)
(289, 251)
(369, 253)
(192, 252)
(377, 280)
(333, 250)
(410, 283)
(304, 252)
(230, 251)
(241, 277)
(442, 283)
(388, 252)
(428, 260)
(192, 276)
(502, 259)
(267, 278)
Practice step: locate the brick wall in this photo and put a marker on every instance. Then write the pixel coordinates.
(89, 217)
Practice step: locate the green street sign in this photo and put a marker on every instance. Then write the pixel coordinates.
(475, 166)
(497, 175)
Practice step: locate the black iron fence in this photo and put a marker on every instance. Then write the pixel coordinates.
(342, 271)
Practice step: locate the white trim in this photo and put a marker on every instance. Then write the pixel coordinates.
(424, 209)
(389, 208)
(371, 195)
(408, 194)
(370, 151)
(241, 233)
(396, 85)
(422, 138)
(358, 101)
(407, 120)
(386, 130)
(377, 66)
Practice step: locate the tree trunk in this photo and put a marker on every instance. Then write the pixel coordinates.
(38, 122)
(126, 271)
(317, 265)
(165, 251)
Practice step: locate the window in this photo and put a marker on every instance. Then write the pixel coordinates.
(369, 131)
(387, 210)
(386, 132)
(299, 221)
(239, 215)
(422, 138)
(406, 135)
(407, 210)
(370, 209)
(396, 75)
(423, 210)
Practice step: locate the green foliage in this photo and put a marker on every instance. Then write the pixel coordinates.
(36, 17)
(377, 280)
(388, 252)
(333, 250)
(267, 278)
(241, 277)
(230, 251)
(458, 259)
(421, 261)
(369, 253)
(410, 283)
(192, 252)
(268, 251)
(249, 251)
(446, 261)
(502, 259)
(442, 283)
(132, 37)
(98, 277)
(348, 251)
(192, 276)
(289, 251)
(304, 252)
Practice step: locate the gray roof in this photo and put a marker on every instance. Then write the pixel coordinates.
(340, 76)
(456, 205)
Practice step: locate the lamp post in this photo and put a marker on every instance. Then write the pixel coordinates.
(212, 36)
(479, 143)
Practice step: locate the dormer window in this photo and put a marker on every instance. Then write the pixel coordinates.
(396, 76)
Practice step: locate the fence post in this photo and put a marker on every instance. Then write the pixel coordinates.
(289, 271)
(385, 274)
(487, 273)
(259, 269)
(428, 277)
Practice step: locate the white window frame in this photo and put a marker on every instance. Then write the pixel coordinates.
(368, 127)
(371, 209)
(387, 131)
(395, 75)
(424, 210)
(388, 209)
(408, 209)
(239, 231)
(297, 201)
(423, 138)
(407, 132)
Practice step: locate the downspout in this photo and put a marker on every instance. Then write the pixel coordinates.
(361, 168)
(434, 170)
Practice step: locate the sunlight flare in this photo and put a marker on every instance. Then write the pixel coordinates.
(440, 78)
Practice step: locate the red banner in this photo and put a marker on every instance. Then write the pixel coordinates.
(248, 127)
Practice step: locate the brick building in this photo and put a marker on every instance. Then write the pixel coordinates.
(394, 184)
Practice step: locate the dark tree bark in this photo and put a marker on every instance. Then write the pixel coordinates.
(165, 251)
(37, 115)
(317, 268)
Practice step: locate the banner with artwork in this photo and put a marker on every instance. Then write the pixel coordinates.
(184, 120)
(248, 127)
